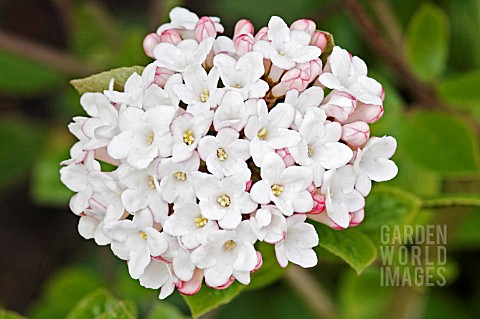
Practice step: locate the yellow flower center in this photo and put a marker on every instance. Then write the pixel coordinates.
(204, 96)
(310, 151)
(151, 183)
(180, 176)
(237, 85)
(262, 133)
(282, 53)
(143, 235)
(224, 200)
(221, 154)
(150, 138)
(277, 189)
(229, 245)
(200, 221)
(188, 137)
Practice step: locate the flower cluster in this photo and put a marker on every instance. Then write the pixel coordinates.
(222, 142)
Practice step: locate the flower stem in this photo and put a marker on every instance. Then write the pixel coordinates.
(450, 202)
(311, 292)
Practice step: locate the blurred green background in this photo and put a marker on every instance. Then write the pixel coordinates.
(425, 53)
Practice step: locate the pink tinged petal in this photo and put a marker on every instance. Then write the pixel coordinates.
(119, 147)
(137, 263)
(368, 113)
(205, 28)
(229, 282)
(259, 262)
(281, 254)
(319, 39)
(260, 192)
(304, 25)
(244, 44)
(243, 26)
(262, 34)
(192, 286)
(218, 275)
(170, 36)
(357, 217)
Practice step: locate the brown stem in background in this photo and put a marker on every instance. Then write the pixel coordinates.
(311, 292)
(423, 94)
(53, 58)
(389, 22)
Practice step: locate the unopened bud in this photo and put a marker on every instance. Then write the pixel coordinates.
(243, 44)
(205, 28)
(243, 27)
(150, 42)
(356, 134)
(319, 39)
(304, 25)
(262, 34)
(170, 36)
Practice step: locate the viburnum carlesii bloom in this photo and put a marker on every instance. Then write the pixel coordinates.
(373, 163)
(136, 241)
(297, 247)
(346, 73)
(223, 199)
(187, 130)
(286, 47)
(243, 75)
(144, 135)
(226, 253)
(225, 154)
(341, 198)
(222, 142)
(269, 131)
(285, 186)
(175, 179)
(320, 148)
(189, 225)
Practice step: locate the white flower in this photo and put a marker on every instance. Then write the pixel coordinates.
(143, 190)
(187, 130)
(298, 243)
(340, 196)
(199, 89)
(225, 154)
(373, 163)
(243, 75)
(233, 111)
(320, 148)
(136, 241)
(285, 186)
(269, 131)
(269, 224)
(224, 200)
(339, 105)
(227, 253)
(346, 73)
(302, 102)
(287, 47)
(189, 225)
(144, 135)
(175, 179)
(179, 257)
(158, 274)
(184, 21)
(178, 57)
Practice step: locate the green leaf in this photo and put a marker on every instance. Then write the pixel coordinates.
(427, 42)
(354, 247)
(100, 304)
(20, 142)
(388, 207)
(99, 82)
(462, 91)
(208, 298)
(5, 314)
(353, 301)
(328, 50)
(47, 189)
(440, 142)
(23, 77)
(270, 270)
(165, 310)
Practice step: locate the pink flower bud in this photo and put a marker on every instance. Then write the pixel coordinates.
(259, 262)
(248, 185)
(357, 217)
(192, 286)
(225, 285)
(286, 156)
(312, 68)
(244, 43)
(312, 188)
(205, 28)
(339, 105)
(262, 34)
(293, 79)
(367, 113)
(318, 204)
(170, 36)
(161, 76)
(243, 27)
(304, 25)
(319, 39)
(150, 42)
(355, 134)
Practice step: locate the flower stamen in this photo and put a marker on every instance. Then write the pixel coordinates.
(224, 200)
(277, 190)
(204, 96)
(200, 221)
(180, 176)
(151, 183)
(262, 133)
(188, 137)
(222, 154)
(229, 245)
(143, 235)
(150, 138)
